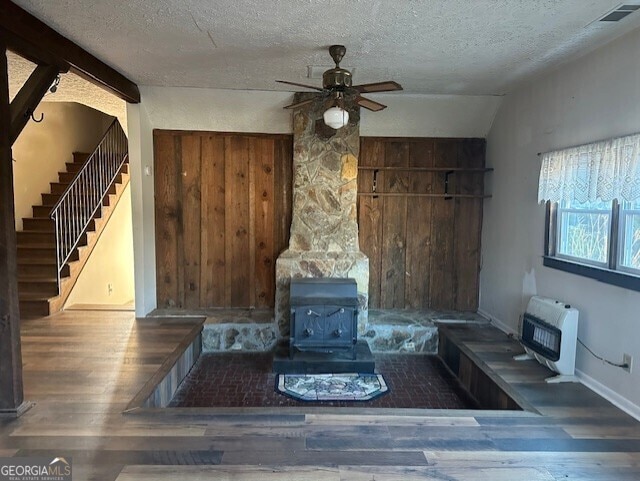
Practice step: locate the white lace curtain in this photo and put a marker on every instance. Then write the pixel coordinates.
(601, 171)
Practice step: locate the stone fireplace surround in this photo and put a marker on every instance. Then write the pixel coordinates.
(324, 229)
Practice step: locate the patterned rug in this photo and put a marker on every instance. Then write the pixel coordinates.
(331, 387)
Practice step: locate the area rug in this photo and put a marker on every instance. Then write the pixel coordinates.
(331, 387)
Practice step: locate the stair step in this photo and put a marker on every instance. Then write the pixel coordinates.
(34, 307)
(42, 287)
(42, 224)
(41, 210)
(50, 199)
(73, 167)
(58, 187)
(80, 157)
(35, 237)
(40, 268)
(66, 176)
(43, 252)
(37, 251)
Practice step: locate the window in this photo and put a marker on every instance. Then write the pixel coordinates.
(592, 194)
(583, 231)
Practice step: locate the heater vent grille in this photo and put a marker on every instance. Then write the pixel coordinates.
(541, 337)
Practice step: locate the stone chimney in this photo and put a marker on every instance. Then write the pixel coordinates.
(324, 227)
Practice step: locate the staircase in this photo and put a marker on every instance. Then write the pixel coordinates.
(45, 277)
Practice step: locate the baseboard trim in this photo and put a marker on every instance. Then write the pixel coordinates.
(610, 395)
(498, 323)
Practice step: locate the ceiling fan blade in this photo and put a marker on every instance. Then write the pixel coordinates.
(370, 104)
(300, 85)
(300, 104)
(387, 86)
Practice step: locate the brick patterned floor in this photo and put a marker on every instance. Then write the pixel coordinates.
(246, 380)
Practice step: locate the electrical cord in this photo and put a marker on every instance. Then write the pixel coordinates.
(622, 365)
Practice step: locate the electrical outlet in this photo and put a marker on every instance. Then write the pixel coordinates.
(628, 361)
(110, 288)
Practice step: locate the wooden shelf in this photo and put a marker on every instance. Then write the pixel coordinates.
(420, 194)
(430, 169)
(448, 171)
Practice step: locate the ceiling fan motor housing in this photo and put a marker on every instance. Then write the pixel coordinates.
(336, 79)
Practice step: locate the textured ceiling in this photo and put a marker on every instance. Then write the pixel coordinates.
(432, 47)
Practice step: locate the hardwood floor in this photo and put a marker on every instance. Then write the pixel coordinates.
(82, 368)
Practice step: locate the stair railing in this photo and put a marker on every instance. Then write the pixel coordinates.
(83, 197)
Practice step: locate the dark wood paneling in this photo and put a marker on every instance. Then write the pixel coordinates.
(468, 226)
(283, 187)
(167, 219)
(223, 213)
(394, 227)
(441, 273)
(191, 180)
(237, 220)
(370, 215)
(418, 258)
(424, 252)
(212, 242)
(265, 226)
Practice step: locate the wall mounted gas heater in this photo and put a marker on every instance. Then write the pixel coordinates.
(549, 335)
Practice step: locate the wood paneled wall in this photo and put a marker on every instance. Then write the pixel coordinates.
(424, 252)
(223, 213)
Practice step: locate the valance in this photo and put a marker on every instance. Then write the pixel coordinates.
(601, 171)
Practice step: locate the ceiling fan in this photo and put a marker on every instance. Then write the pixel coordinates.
(337, 87)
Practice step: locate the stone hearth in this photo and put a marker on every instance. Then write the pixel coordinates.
(324, 228)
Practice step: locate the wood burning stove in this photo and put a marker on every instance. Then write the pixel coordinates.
(323, 334)
(324, 316)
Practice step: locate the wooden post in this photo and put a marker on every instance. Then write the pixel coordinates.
(11, 395)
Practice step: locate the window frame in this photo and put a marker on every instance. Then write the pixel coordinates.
(622, 224)
(613, 272)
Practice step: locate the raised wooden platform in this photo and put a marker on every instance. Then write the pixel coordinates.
(82, 369)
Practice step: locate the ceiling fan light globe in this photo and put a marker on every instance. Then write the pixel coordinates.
(336, 118)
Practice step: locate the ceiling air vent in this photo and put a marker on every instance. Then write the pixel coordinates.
(619, 13)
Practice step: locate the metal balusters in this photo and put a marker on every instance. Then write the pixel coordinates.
(83, 197)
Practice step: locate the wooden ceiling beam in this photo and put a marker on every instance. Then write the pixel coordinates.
(29, 96)
(30, 52)
(36, 41)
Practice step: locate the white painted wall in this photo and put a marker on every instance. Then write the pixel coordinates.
(42, 149)
(110, 263)
(261, 111)
(430, 116)
(141, 169)
(592, 98)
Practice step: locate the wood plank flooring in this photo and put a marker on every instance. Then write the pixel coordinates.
(82, 368)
